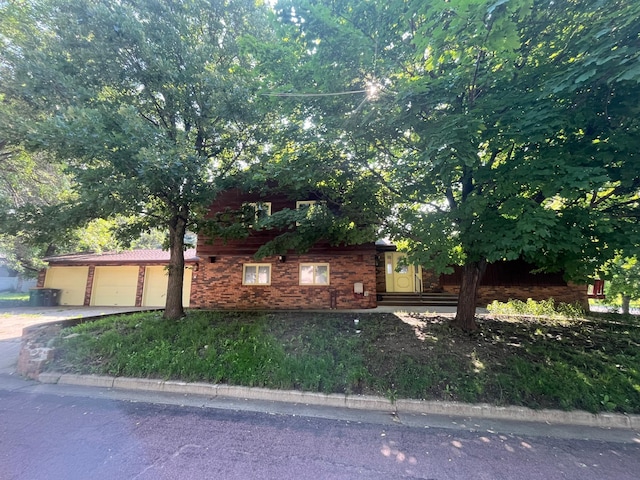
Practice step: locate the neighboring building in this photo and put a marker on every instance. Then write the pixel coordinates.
(130, 278)
(11, 280)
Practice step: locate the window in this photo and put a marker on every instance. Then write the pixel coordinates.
(256, 274)
(305, 205)
(314, 274)
(261, 209)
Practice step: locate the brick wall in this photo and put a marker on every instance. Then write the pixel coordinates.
(570, 293)
(219, 285)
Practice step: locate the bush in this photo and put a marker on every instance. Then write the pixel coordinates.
(542, 308)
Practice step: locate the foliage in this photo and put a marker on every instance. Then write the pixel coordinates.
(535, 362)
(505, 130)
(149, 104)
(28, 184)
(543, 308)
(623, 280)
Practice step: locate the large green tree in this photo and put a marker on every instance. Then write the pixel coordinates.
(506, 128)
(28, 184)
(149, 103)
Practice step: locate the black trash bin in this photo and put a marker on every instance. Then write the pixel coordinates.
(50, 297)
(36, 297)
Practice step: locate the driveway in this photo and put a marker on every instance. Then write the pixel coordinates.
(14, 320)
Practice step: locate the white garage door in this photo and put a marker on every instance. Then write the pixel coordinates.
(72, 281)
(155, 287)
(115, 286)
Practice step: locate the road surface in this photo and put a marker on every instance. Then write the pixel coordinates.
(59, 437)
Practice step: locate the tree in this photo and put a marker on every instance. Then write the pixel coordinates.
(28, 183)
(506, 129)
(623, 275)
(149, 103)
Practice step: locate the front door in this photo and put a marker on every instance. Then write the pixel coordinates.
(400, 277)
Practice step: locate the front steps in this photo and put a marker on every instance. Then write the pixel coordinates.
(417, 299)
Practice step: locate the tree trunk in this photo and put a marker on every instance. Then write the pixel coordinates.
(174, 309)
(466, 312)
(626, 300)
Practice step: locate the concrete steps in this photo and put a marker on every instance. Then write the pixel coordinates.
(417, 299)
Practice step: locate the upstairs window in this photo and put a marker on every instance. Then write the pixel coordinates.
(301, 204)
(305, 205)
(314, 274)
(256, 274)
(260, 210)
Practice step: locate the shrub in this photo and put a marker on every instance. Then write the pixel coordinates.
(542, 308)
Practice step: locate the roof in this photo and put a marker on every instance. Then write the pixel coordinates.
(128, 256)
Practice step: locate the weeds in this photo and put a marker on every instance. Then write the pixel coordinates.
(543, 308)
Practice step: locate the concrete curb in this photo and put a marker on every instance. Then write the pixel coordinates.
(357, 402)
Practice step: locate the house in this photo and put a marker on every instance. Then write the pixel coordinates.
(229, 276)
(343, 276)
(130, 278)
(225, 274)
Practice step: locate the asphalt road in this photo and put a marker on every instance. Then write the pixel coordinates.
(59, 437)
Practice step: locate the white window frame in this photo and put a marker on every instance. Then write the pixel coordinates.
(260, 206)
(315, 265)
(301, 203)
(257, 267)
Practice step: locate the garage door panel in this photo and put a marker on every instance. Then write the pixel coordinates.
(115, 286)
(71, 281)
(155, 287)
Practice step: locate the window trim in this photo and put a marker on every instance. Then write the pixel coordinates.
(256, 208)
(308, 203)
(304, 203)
(257, 267)
(314, 265)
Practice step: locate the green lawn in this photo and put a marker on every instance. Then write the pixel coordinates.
(591, 365)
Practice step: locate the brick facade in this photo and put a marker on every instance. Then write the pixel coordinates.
(570, 293)
(219, 285)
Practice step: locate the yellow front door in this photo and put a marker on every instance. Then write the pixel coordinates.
(400, 277)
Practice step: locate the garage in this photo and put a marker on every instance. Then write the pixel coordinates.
(155, 286)
(132, 278)
(71, 281)
(115, 286)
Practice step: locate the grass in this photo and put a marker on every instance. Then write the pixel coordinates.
(14, 299)
(592, 364)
